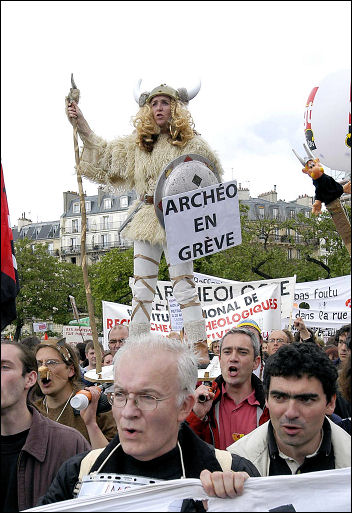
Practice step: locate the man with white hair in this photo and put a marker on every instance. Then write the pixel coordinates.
(151, 398)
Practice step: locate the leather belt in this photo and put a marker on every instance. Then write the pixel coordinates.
(148, 200)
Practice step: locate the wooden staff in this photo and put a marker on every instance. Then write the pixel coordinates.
(74, 96)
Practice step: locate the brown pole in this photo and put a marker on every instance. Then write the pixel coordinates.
(74, 95)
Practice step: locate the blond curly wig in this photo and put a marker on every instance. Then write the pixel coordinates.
(181, 126)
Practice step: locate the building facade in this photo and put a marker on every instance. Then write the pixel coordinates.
(105, 213)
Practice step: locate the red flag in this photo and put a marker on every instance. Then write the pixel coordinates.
(9, 277)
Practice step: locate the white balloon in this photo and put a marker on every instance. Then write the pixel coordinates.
(328, 121)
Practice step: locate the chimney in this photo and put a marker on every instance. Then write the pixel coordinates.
(23, 221)
(101, 194)
(68, 197)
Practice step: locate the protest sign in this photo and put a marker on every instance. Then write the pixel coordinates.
(74, 334)
(40, 327)
(324, 305)
(261, 305)
(211, 291)
(176, 319)
(115, 313)
(324, 491)
(208, 218)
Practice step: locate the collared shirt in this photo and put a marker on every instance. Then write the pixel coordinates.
(236, 420)
(322, 459)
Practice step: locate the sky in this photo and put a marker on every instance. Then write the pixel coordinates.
(257, 62)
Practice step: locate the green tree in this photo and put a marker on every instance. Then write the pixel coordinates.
(45, 284)
(320, 232)
(110, 278)
(259, 256)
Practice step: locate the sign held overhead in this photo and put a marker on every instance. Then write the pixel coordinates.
(207, 218)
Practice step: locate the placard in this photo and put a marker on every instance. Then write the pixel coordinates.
(208, 219)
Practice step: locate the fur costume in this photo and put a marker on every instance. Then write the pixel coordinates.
(124, 166)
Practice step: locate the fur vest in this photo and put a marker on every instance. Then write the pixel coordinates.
(124, 166)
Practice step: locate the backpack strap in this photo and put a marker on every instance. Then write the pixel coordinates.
(88, 461)
(224, 458)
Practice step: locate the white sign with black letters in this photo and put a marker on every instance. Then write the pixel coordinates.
(202, 222)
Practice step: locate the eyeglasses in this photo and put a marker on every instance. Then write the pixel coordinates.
(119, 341)
(278, 340)
(142, 401)
(51, 364)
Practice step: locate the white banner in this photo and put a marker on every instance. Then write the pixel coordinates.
(324, 491)
(261, 305)
(208, 218)
(215, 290)
(115, 313)
(75, 334)
(324, 305)
(40, 327)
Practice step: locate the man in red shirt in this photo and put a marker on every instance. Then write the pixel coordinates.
(236, 404)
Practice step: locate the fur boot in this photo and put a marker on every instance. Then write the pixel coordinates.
(137, 329)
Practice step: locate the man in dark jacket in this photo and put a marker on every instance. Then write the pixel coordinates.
(32, 446)
(151, 398)
(235, 405)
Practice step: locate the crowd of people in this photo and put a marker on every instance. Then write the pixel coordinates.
(160, 421)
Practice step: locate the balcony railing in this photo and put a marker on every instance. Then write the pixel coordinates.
(91, 248)
(95, 227)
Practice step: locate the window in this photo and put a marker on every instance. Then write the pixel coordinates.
(105, 240)
(261, 212)
(51, 248)
(105, 222)
(107, 203)
(124, 201)
(75, 208)
(298, 253)
(307, 213)
(73, 243)
(88, 206)
(275, 213)
(292, 214)
(289, 254)
(74, 225)
(277, 234)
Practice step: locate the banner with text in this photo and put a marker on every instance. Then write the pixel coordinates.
(325, 491)
(75, 334)
(261, 305)
(39, 327)
(208, 218)
(211, 291)
(324, 305)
